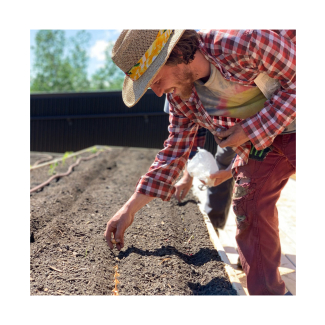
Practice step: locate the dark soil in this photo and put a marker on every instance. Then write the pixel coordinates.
(68, 253)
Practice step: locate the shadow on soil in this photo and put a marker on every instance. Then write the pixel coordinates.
(200, 258)
(207, 289)
(181, 204)
(203, 256)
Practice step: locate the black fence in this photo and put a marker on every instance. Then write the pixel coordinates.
(74, 121)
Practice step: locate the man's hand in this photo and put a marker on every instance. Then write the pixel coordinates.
(221, 176)
(183, 186)
(233, 137)
(117, 226)
(123, 219)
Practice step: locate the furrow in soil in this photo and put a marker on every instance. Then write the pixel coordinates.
(167, 248)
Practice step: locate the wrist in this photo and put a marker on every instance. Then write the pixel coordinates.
(186, 174)
(227, 172)
(136, 202)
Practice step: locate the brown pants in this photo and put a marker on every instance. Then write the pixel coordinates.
(257, 188)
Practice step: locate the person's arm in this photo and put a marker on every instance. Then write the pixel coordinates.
(278, 61)
(222, 175)
(123, 219)
(268, 52)
(183, 186)
(200, 136)
(185, 183)
(160, 179)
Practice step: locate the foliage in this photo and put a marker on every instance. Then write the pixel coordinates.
(61, 65)
(108, 77)
(79, 61)
(52, 169)
(55, 70)
(93, 149)
(65, 156)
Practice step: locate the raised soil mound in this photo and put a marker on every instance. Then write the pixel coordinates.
(167, 248)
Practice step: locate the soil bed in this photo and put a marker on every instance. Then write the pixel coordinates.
(68, 253)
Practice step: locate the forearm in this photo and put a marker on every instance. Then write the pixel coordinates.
(228, 171)
(186, 175)
(123, 219)
(222, 175)
(136, 202)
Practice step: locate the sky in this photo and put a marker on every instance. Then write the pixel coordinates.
(97, 44)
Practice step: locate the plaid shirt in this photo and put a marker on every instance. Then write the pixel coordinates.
(240, 55)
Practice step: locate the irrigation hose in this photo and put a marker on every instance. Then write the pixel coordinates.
(44, 159)
(72, 155)
(64, 174)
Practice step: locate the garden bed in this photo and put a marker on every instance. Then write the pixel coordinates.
(167, 248)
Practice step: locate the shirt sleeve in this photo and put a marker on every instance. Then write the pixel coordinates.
(160, 179)
(274, 55)
(199, 141)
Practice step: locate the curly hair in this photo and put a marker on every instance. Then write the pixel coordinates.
(184, 50)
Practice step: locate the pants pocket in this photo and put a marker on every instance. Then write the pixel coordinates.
(242, 219)
(243, 194)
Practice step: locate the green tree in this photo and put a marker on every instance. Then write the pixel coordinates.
(79, 61)
(60, 64)
(108, 77)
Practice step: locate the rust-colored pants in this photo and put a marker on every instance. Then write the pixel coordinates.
(257, 188)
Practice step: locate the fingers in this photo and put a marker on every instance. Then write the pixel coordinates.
(225, 133)
(184, 193)
(222, 143)
(217, 181)
(219, 141)
(181, 191)
(108, 235)
(177, 193)
(119, 238)
(224, 138)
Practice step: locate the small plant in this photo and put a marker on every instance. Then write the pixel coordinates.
(52, 168)
(65, 156)
(93, 150)
(86, 253)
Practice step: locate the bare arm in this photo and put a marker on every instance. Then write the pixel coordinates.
(221, 175)
(233, 137)
(123, 219)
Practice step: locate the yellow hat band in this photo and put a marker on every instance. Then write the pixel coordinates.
(143, 64)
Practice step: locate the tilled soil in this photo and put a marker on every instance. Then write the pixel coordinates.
(167, 248)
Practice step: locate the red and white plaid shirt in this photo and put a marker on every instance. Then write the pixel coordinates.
(240, 56)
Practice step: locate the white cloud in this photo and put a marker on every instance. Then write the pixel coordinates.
(113, 34)
(98, 50)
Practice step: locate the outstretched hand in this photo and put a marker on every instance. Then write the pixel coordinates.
(123, 219)
(183, 186)
(117, 226)
(233, 137)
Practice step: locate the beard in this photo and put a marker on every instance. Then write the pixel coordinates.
(185, 82)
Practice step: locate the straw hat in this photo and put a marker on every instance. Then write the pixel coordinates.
(140, 54)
